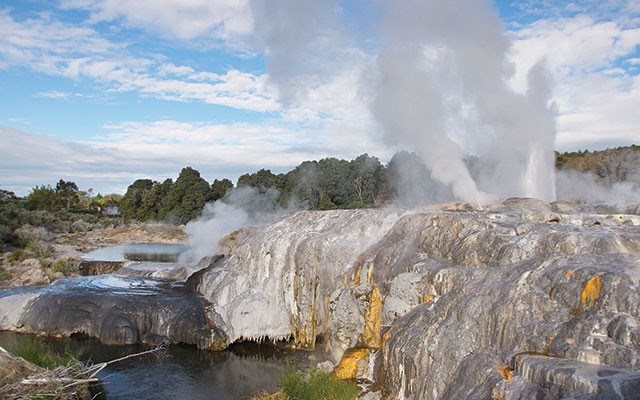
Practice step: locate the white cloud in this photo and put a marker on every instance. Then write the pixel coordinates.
(571, 46)
(216, 19)
(54, 94)
(160, 149)
(623, 10)
(596, 91)
(53, 48)
(600, 111)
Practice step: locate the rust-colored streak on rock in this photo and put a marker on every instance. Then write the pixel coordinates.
(348, 366)
(372, 319)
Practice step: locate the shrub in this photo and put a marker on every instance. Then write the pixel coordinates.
(39, 249)
(27, 233)
(316, 385)
(4, 275)
(62, 265)
(80, 226)
(17, 256)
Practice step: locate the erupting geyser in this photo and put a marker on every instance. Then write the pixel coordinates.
(437, 82)
(442, 87)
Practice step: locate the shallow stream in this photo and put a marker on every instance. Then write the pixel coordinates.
(151, 252)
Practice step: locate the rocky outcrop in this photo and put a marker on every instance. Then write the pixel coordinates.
(445, 304)
(114, 309)
(275, 282)
(522, 300)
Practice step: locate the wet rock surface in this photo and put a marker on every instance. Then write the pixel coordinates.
(442, 303)
(114, 309)
(522, 300)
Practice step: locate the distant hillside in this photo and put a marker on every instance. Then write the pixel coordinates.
(621, 164)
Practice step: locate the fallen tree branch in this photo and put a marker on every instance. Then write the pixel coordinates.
(60, 382)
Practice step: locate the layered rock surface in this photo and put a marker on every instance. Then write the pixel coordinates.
(444, 303)
(523, 300)
(113, 309)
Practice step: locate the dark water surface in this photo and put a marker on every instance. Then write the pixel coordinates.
(181, 372)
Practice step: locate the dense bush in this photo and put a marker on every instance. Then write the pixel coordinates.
(21, 227)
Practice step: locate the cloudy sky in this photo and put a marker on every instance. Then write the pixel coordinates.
(103, 92)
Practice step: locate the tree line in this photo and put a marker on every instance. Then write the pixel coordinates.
(326, 184)
(318, 185)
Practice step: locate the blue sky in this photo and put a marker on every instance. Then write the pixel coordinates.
(103, 92)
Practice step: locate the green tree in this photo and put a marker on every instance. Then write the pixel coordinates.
(152, 200)
(366, 177)
(187, 196)
(43, 198)
(263, 180)
(334, 183)
(219, 188)
(132, 199)
(302, 184)
(10, 211)
(6, 195)
(67, 194)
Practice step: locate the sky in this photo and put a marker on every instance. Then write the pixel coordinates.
(103, 92)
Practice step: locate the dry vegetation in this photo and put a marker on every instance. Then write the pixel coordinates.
(57, 377)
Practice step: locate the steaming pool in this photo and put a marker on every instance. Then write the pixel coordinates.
(143, 252)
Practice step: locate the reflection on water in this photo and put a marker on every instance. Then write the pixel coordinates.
(182, 372)
(152, 252)
(107, 285)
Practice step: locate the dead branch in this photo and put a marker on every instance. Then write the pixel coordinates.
(60, 382)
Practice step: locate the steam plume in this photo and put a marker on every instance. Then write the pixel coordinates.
(441, 88)
(239, 208)
(584, 187)
(443, 91)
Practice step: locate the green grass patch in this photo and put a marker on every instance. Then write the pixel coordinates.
(43, 354)
(17, 256)
(317, 385)
(62, 265)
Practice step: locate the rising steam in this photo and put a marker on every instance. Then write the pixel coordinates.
(440, 89)
(244, 206)
(443, 91)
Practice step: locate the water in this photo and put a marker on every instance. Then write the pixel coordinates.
(104, 285)
(151, 252)
(181, 372)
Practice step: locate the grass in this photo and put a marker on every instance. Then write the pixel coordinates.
(62, 265)
(42, 355)
(317, 385)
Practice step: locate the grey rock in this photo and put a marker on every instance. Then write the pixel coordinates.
(523, 300)
(116, 310)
